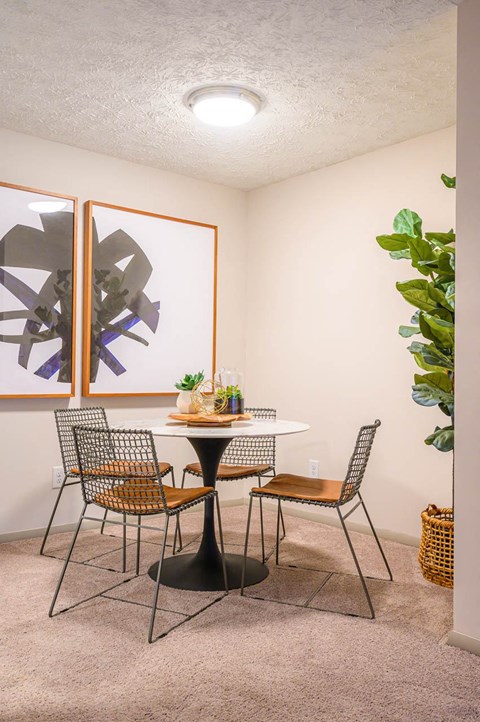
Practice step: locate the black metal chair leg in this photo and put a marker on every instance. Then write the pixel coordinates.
(47, 531)
(103, 522)
(261, 524)
(157, 585)
(283, 523)
(376, 538)
(124, 556)
(183, 479)
(222, 547)
(178, 531)
(67, 559)
(277, 545)
(281, 514)
(139, 531)
(362, 579)
(247, 532)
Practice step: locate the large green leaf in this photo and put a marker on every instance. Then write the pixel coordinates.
(408, 222)
(445, 267)
(440, 380)
(425, 395)
(407, 331)
(449, 182)
(393, 242)
(443, 332)
(421, 252)
(436, 294)
(431, 355)
(450, 294)
(441, 312)
(420, 361)
(446, 409)
(442, 439)
(417, 293)
(442, 238)
(399, 255)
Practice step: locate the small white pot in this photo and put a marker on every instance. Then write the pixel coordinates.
(184, 403)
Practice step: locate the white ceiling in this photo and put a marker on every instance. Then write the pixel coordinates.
(340, 77)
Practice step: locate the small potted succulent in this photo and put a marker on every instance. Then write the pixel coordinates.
(185, 387)
(235, 401)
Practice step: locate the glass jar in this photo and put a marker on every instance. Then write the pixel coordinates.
(232, 382)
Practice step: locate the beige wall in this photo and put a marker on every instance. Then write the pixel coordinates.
(467, 387)
(320, 306)
(28, 446)
(323, 312)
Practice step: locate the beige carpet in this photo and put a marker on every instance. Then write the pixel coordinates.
(238, 659)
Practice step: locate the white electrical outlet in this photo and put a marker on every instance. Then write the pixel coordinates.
(314, 468)
(57, 477)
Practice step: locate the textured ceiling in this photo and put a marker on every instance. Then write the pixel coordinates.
(340, 77)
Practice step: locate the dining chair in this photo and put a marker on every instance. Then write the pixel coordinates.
(245, 458)
(65, 420)
(325, 493)
(120, 472)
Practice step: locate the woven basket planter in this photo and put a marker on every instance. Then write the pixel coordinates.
(436, 546)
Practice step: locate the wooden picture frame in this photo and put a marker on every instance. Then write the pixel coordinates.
(38, 242)
(157, 273)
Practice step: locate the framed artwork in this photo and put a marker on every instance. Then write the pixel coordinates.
(37, 293)
(149, 301)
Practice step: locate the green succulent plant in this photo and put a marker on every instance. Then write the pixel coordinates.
(189, 381)
(433, 295)
(230, 392)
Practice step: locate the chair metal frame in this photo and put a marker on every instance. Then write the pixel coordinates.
(65, 420)
(349, 491)
(255, 451)
(140, 486)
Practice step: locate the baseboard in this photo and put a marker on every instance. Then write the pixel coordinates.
(463, 641)
(298, 511)
(59, 528)
(10, 536)
(305, 513)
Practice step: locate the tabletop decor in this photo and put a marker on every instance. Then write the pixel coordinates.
(231, 382)
(150, 300)
(37, 292)
(433, 296)
(185, 387)
(211, 420)
(208, 398)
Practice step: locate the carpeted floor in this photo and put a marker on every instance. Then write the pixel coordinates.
(238, 659)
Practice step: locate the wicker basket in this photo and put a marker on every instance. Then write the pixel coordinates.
(436, 546)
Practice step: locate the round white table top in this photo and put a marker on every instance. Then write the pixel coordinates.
(255, 427)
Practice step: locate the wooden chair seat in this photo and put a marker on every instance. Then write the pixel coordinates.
(302, 488)
(125, 468)
(231, 471)
(139, 496)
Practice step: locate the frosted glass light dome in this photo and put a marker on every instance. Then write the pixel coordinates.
(224, 106)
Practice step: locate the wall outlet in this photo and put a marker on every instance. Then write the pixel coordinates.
(57, 477)
(314, 468)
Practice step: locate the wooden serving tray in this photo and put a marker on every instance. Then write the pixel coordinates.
(214, 420)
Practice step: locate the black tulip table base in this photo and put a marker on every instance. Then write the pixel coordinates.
(203, 571)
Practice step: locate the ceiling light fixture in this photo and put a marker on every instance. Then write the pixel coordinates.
(223, 105)
(47, 206)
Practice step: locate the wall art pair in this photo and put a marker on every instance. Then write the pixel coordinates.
(149, 297)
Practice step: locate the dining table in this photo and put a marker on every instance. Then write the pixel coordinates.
(203, 570)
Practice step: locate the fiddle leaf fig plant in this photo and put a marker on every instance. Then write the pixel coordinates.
(432, 255)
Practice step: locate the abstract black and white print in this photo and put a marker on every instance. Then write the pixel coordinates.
(36, 293)
(151, 300)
